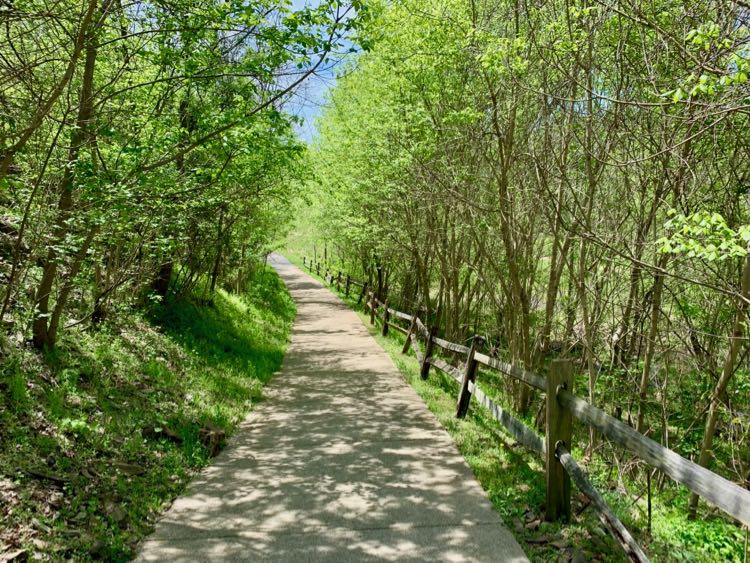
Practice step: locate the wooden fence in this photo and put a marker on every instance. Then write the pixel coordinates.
(562, 406)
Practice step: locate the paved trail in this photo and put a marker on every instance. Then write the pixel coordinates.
(342, 462)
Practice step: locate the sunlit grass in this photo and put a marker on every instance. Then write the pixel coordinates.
(99, 437)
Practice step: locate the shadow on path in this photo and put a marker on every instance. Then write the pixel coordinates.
(343, 462)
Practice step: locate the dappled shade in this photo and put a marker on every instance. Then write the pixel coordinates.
(342, 462)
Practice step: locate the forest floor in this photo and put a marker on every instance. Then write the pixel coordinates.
(513, 478)
(98, 438)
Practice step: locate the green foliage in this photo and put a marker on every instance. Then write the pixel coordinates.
(16, 391)
(183, 154)
(728, 45)
(704, 235)
(513, 167)
(708, 540)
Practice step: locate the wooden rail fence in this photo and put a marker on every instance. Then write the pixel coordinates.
(562, 406)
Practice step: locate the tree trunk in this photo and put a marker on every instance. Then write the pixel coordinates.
(735, 343)
(219, 247)
(81, 136)
(45, 107)
(648, 358)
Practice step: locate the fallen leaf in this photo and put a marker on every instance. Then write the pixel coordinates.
(41, 475)
(97, 549)
(128, 468)
(540, 539)
(41, 526)
(115, 511)
(18, 555)
(534, 525)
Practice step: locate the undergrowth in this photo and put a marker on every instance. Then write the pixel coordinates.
(97, 438)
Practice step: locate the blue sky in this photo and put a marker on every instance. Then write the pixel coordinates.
(308, 102)
(310, 98)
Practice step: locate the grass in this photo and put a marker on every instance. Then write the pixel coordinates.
(99, 437)
(514, 480)
(512, 477)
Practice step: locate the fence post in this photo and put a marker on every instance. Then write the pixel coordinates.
(338, 282)
(318, 268)
(386, 317)
(373, 304)
(304, 261)
(559, 430)
(425, 369)
(412, 327)
(362, 295)
(348, 284)
(470, 374)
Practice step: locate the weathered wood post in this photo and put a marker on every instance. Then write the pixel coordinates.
(338, 281)
(470, 374)
(424, 371)
(318, 268)
(373, 305)
(412, 328)
(386, 317)
(362, 295)
(559, 431)
(348, 284)
(304, 261)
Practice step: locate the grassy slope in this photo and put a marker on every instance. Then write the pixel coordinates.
(88, 453)
(514, 480)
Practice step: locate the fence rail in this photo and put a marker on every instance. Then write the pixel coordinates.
(562, 406)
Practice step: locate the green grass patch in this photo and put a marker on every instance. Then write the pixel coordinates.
(99, 437)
